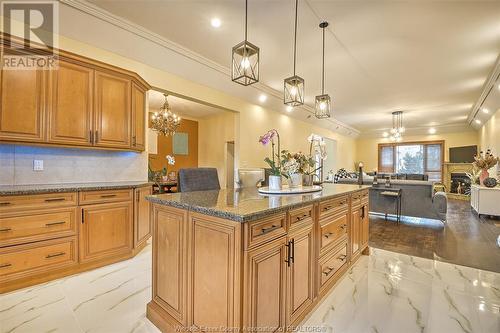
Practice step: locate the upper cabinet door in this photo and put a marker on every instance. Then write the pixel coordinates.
(138, 117)
(71, 110)
(113, 111)
(22, 105)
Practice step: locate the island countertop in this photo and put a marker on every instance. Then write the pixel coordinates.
(67, 187)
(247, 204)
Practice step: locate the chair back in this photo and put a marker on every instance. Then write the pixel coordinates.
(198, 179)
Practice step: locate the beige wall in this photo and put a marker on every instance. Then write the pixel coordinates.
(214, 132)
(257, 121)
(367, 148)
(489, 137)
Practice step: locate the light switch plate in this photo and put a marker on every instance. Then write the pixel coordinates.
(37, 165)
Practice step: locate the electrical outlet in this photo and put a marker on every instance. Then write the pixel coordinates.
(37, 165)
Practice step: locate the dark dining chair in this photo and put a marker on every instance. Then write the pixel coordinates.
(198, 179)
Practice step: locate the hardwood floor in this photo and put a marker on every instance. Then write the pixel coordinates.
(465, 239)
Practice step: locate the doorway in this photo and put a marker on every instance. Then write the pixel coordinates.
(230, 164)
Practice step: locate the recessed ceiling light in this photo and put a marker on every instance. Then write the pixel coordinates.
(262, 98)
(485, 110)
(478, 121)
(289, 108)
(432, 130)
(215, 22)
(385, 134)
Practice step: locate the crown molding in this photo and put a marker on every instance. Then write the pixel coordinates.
(488, 86)
(104, 15)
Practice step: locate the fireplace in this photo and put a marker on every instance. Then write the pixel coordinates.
(460, 183)
(456, 181)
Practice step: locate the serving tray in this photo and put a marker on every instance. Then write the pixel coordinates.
(293, 190)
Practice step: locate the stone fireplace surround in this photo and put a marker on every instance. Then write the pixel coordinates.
(455, 168)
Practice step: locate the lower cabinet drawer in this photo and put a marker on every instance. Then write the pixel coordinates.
(103, 196)
(331, 263)
(28, 227)
(261, 231)
(25, 260)
(332, 229)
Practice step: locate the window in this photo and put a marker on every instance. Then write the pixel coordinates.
(412, 158)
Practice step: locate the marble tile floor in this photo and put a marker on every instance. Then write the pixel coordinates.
(384, 292)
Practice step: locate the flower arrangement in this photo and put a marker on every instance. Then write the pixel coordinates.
(273, 162)
(158, 176)
(485, 161)
(316, 144)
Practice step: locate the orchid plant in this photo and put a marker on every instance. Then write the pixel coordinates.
(316, 144)
(273, 162)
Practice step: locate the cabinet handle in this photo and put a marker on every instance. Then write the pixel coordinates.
(343, 226)
(342, 257)
(363, 212)
(4, 203)
(5, 229)
(328, 234)
(83, 216)
(292, 255)
(327, 208)
(91, 139)
(96, 137)
(5, 265)
(269, 229)
(108, 195)
(288, 250)
(54, 223)
(304, 216)
(328, 270)
(53, 255)
(134, 141)
(54, 199)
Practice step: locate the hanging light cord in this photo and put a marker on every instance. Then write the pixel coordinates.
(246, 15)
(295, 37)
(323, 66)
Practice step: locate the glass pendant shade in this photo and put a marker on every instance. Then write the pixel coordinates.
(245, 68)
(397, 129)
(323, 106)
(294, 91)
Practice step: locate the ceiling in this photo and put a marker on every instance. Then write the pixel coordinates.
(182, 107)
(427, 58)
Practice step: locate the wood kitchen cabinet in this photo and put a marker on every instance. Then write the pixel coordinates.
(70, 115)
(22, 105)
(355, 232)
(265, 285)
(105, 230)
(81, 103)
(142, 215)
(112, 110)
(138, 117)
(300, 274)
(364, 226)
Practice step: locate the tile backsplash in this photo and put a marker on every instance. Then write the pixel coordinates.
(68, 165)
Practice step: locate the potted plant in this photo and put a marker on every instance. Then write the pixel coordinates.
(273, 162)
(484, 162)
(316, 144)
(294, 165)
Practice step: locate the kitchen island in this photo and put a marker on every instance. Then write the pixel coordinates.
(234, 260)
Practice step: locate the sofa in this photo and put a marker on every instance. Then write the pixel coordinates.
(401, 176)
(417, 198)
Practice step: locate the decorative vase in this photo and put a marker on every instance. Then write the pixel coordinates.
(490, 182)
(307, 180)
(275, 183)
(484, 174)
(294, 180)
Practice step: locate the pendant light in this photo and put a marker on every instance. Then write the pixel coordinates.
(245, 60)
(294, 85)
(323, 102)
(397, 129)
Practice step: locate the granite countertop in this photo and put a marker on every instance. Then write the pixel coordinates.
(243, 205)
(67, 187)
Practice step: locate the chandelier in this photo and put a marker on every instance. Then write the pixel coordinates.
(397, 129)
(294, 85)
(165, 122)
(323, 102)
